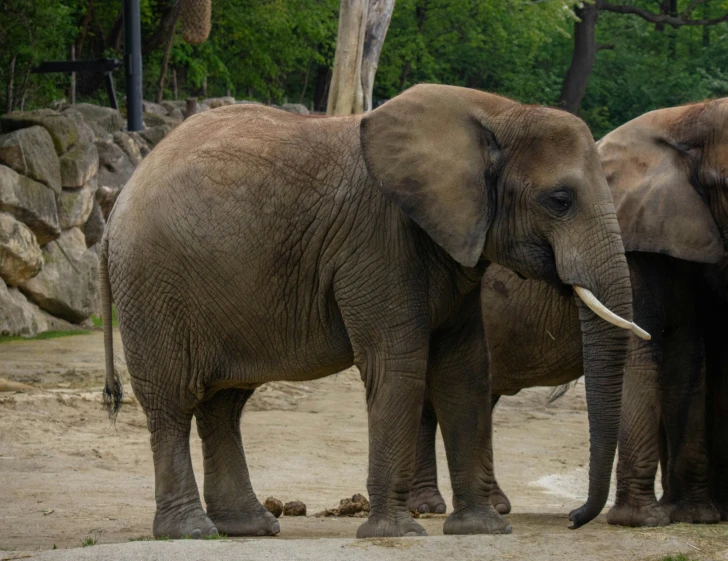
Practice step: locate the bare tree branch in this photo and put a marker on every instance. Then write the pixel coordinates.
(665, 19)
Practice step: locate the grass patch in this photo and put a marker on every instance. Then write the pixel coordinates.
(44, 335)
(678, 557)
(87, 542)
(210, 537)
(98, 322)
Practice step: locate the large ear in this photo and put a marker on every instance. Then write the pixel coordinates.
(658, 209)
(431, 151)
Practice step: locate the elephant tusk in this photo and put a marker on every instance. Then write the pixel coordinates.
(606, 314)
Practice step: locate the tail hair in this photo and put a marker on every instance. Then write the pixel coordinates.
(559, 391)
(113, 396)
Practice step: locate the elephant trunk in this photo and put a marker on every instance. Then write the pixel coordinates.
(605, 312)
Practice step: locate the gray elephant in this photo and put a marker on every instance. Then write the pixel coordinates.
(667, 171)
(255, 245)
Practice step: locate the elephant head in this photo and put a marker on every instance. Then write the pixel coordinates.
(522, 186)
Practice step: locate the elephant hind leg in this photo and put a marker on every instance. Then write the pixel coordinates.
(231, 501)
(424, 496)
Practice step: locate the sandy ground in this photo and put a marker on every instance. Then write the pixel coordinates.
(66, 474)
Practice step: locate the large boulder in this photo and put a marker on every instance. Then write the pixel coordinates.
(130, 147)
(67, 286)
(93, 230)
(79, 165)
(31, 152)
(171, 105)
(75, 205)
(106, 197)
(155, 135)
(215, 102)
(150, 107)
(30, 202)
(20, 317)
(101, 120)
(115, 168)
(20, 255)
(299, 108)
(154, 120)
(63, 131)
(142, 144)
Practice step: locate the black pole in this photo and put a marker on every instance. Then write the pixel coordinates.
(133, 64)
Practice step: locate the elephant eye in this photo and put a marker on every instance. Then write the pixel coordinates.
(559, 202)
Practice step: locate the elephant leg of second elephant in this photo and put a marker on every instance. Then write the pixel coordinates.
(231, 501)
(684, 413)
(498, 498)
(459, 384)
(424, 494)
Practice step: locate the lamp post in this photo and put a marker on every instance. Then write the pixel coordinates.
(133, 64)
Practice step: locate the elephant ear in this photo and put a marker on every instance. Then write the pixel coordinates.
(432, 152)
(658, 209)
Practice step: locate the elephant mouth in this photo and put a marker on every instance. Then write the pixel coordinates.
(608, 315)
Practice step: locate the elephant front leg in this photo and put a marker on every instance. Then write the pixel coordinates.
(459, 384)
(231, 501)
(395, 386)
(424, 496)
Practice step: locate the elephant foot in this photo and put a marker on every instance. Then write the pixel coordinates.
(471, 520)
(722, 510)
(500, 501)
(426, 500)
(179, 523)
(381, 527)
(255, 521)
(627, 514)
(695, 513)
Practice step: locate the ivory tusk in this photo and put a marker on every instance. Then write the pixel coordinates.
(608, 315)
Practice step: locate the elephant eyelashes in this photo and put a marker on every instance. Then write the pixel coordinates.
(558, 202)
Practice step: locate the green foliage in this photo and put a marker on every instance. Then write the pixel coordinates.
(678, 557)
(44, 335)
(98, 322)
(282, 50)
(87, 542)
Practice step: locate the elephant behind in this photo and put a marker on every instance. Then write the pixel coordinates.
(255, 245)
(667, 171)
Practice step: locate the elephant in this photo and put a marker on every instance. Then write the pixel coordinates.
(667, 172)
(255, 245)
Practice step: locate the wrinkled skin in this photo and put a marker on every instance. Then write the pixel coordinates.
(255, 245)
(667, 172)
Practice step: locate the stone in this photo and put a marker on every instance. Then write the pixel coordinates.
(171, 105)
(115, 168)
(30, 202)
(101, 120)
(129, 146)
(106, 197)
(177, 115)
(31, 152)
(63, 131)
(68, 284)
(93, 230)
(142, 145)
(155, 135)
(149, 107)
(154, 120)
(294, 508)
(85, 134)
(299, 108)
(215, 102)
(20, 255)
(20, 317)
(78, 165)
(75, 205)
(274, 506)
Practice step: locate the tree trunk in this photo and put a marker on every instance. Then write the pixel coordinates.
(165, 61)
(582, 60)
(11, 77)
(378, 18)
(346, 96)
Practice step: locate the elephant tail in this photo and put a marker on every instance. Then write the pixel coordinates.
(112, 389)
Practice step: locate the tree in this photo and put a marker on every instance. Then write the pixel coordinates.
(362, 28)
(585, 44)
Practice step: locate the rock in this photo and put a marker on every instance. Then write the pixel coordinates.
(75, 205)
(20, 255)
(155, 135)
(94, 227)
(274, 506)
(58, 104)
(129, 146)
(63, 131)
(85, 134)
(31, 152)
(115, 168)
(101, 120)
(106, 197)
(142, 145)
(149, 107)
(67, 286)
(171, 105)
(78, 165)
(294, 508)
(202, 107)
(215, 102)
(295, 108)
(30, 202)
(154, 120)
(177, 115)
(247, 102)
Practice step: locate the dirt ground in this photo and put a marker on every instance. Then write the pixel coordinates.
(66, 474)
